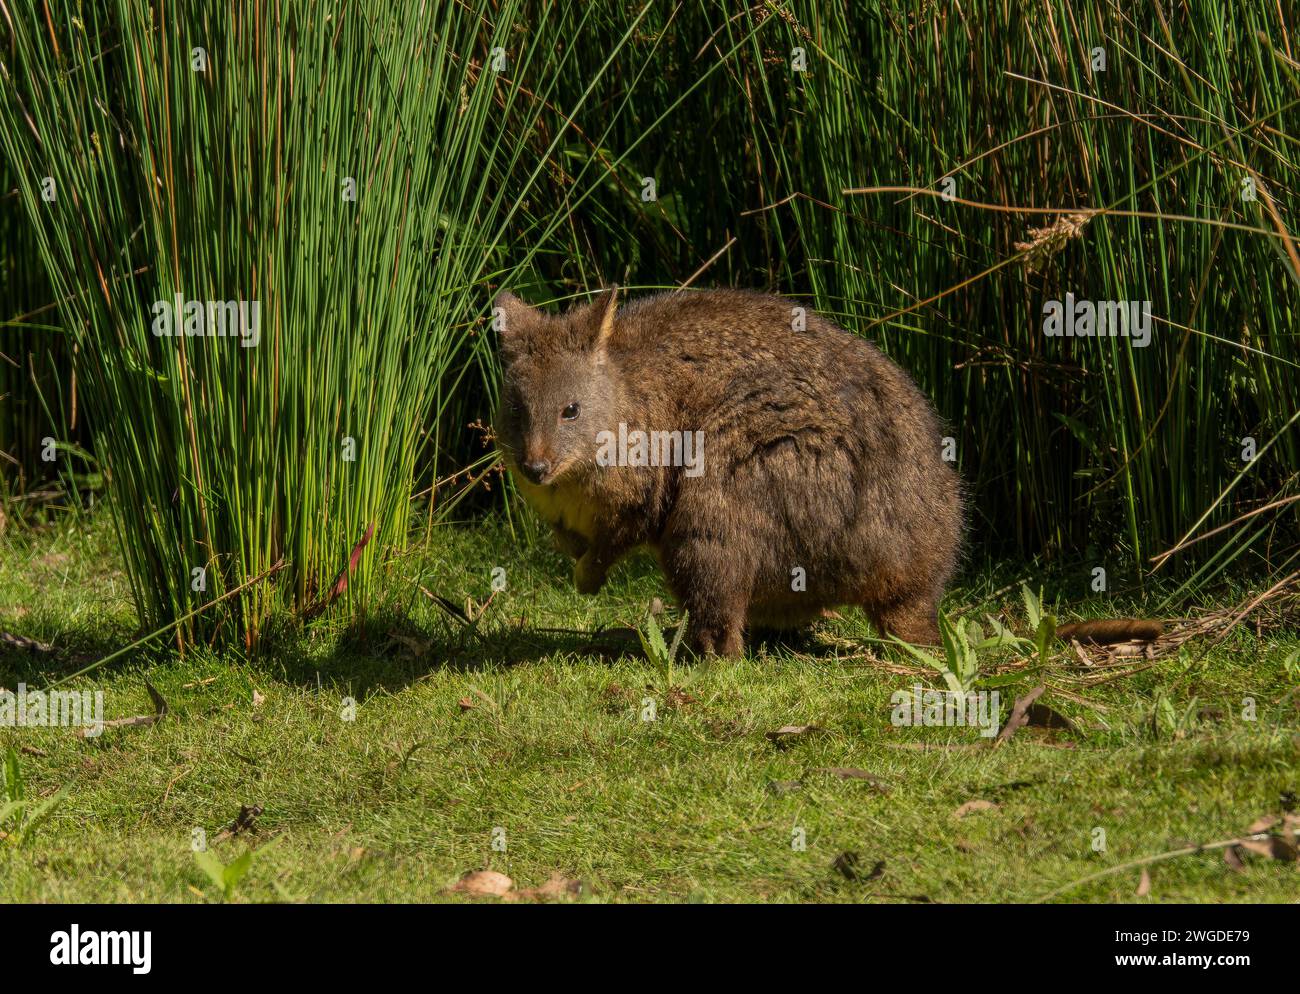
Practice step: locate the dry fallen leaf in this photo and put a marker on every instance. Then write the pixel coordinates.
(975, 805)
(1144, 884)
(483, 883)
(849, 866)
(557, 888)
(787, 732)
(243, 822)
(846, 865)
(341, 581)
(1273, 846)
(1041, 716)
(466, 704)
(160, 712)
(258, 698)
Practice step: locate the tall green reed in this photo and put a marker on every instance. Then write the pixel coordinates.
(1087, 451)
(37, 390)
(357, 171)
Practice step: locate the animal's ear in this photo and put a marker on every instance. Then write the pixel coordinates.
(605, 308)
(512, 319)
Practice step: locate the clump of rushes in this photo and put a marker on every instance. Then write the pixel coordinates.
(357, 171)
(1081, 444)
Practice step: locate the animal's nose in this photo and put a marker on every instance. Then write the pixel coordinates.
(537, 469)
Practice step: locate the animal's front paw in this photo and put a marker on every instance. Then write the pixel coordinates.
(588, 575)
(570, 542)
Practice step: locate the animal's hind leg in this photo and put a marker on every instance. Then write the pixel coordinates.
(912, 620)
(715, 627)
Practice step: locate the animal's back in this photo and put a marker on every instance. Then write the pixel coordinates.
(822, 466)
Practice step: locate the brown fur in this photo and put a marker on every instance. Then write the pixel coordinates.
(1111, 630)
(818, 453)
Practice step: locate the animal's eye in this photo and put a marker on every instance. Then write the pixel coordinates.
(570, 413)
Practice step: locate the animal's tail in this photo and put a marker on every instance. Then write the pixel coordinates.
(1111, 630)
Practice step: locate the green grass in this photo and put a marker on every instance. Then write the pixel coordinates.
(397, 804)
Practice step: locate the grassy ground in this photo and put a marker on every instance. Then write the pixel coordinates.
(517, 728)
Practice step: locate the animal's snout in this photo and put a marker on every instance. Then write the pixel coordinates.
(537, 470)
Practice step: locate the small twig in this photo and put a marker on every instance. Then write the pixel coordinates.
(1148, 860)
(1179, 547)
(711, 260)
(937, 746)
(170, 625)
